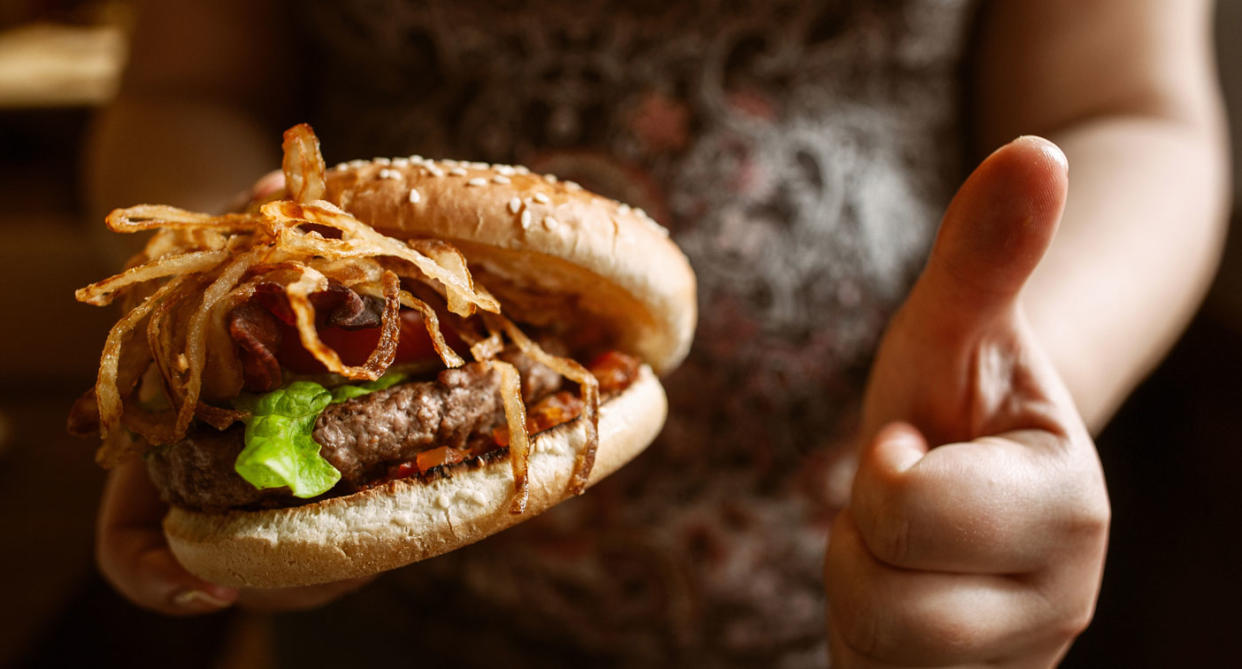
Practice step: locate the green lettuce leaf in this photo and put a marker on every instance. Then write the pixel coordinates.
(280, 450)
(348, 392)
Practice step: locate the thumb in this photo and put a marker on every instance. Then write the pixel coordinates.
(995, 231)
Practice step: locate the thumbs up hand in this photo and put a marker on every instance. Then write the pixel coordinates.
(976, 530)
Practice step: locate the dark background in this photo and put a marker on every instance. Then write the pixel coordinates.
(1171, 454)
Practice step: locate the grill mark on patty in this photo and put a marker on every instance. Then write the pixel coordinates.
(359, 438)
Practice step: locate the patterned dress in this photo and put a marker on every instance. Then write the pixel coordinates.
(801, 153)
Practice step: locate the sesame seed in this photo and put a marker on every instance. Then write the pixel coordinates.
(549, 222)
(525, 219)
(478, 166)
(550, 178)
(415, 158)
(623, 208)
(663, 231)
(450, 162)
(541, 198)
(641, 213)
(457, 172)
(514, 205)
(400, 162)
(572, 185)
(520, 169)
(381, 161)
(506, 170)
(341, 166)
(356, 163)
(477, 181)
(433, 170)
(500, 179)
(386, 173)
(415, 197)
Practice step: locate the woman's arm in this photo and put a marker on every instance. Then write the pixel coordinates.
(1128, 89)
(978, 520)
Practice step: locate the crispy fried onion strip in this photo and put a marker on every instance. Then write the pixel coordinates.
(588, 387)
(360, 241)
(107, 392)
(519, 440)
(152, 216)
(385, 351)
(303, 164)
(489, 346)
(101, 293)
(198, 267)
(166, 342)
(196, 337)
(188, 293)
(447, 256)
(223, 378)
(432, 322)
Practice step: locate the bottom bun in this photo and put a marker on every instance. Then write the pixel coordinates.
(407, 520)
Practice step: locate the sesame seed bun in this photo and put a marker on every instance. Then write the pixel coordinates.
(541, 234)
(407, 520)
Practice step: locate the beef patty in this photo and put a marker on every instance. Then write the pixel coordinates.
(361, 437)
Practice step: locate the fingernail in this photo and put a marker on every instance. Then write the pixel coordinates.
(902, 445)
(198, 598)
(1048, 148)
(901, 433)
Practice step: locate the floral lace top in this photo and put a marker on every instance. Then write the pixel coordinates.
(801, 154)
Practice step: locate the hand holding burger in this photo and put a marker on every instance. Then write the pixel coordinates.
(393, 359)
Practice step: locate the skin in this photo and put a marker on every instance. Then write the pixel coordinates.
(976, 531)
(978, 524)
(988, 548)
(978, 521)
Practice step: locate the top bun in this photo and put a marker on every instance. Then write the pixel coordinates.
(543, 236)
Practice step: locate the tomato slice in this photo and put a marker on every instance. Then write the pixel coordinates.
(444, 455)
(355, 345)
(614, 370)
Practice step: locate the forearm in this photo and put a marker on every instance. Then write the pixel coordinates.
(1127, 88)
(1136, 250)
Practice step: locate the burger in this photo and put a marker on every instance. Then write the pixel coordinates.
(386, 361)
